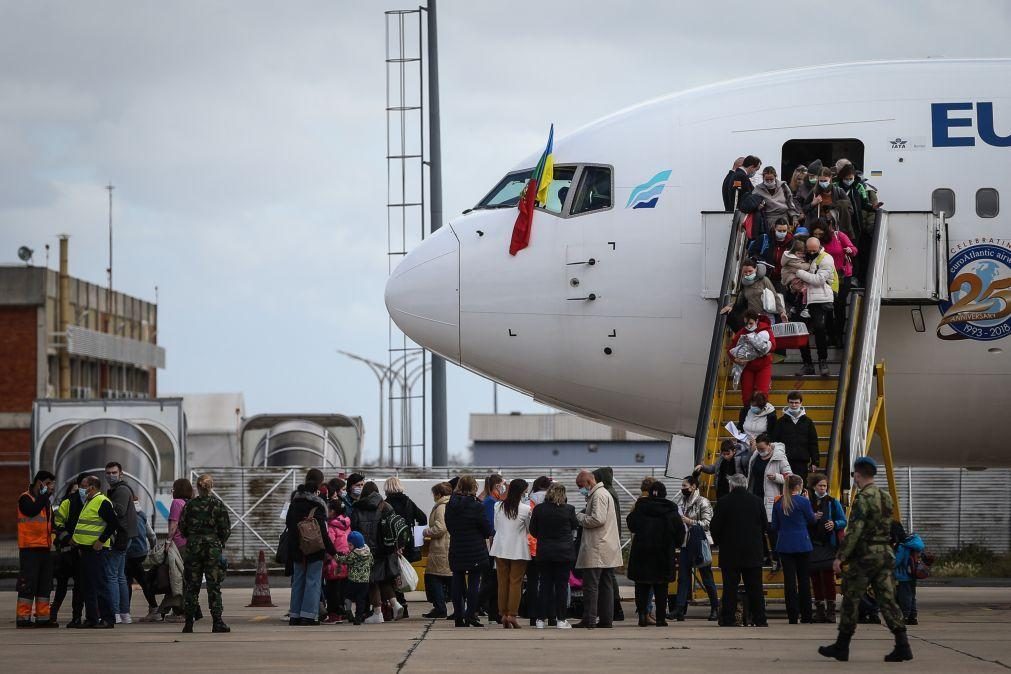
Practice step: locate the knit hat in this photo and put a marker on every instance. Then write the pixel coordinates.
(802, 231)
(356, 540)
(839, 164)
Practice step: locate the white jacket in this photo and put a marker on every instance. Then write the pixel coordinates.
(510, 540)
(600, 546)
(779, 468)
(819, 279)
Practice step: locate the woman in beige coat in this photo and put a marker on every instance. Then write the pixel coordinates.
(437, 572)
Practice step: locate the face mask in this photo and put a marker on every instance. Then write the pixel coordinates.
(687, 493)
(83, 493)
(771, 184)
(113, 479)
(810, 256)
(356, 491)
(755, 409)
(793, 412)
(821, 493)
(538, 498)
(848, 182)
(750, 327)
(499, 493)
(585, 491)
(823, 184)
(43, 490)
(751, 277)
(812, 180)
(136, 506)
(780, 236)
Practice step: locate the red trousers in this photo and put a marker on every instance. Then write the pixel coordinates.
(755, 379)
(823, 583)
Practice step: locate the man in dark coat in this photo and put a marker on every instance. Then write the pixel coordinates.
(605, 476)
(796, 430)
(738, 184)
(737, 528)
(728, 185)
(658, 531)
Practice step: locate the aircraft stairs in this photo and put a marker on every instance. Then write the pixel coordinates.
(839, 404)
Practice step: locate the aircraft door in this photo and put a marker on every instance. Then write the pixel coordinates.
(916, 265)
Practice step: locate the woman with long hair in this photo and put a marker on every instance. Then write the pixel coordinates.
(469, 531)
(791, 516)
(830, 520)
(554, 524)
(511, 550)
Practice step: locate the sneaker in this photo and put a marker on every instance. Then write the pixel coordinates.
(153, 616)
(563, 625)
(806, 371)
(119, 618)
(331, 619)
(375, 619)
(823, 369)
(805, 313)
(539, 624)
(398, 609)
(125, 619)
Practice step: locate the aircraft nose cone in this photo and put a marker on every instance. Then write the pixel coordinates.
(423, 294)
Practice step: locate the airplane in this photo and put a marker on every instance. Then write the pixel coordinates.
(609, 312)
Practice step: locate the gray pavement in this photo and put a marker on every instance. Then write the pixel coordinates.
(961, 629)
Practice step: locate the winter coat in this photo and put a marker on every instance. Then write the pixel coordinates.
(738, 528)
(778, 202)
(800, 437)
(367, 518)
(820, 279)
(740, 467)
(758, 364)
(830, 509)
(605, 475)
(554, 527)
(789, 264)
(657, 531)
(338, 530)
(413, 516)
(792, 529)
(778, 467)
(756, 424)
(750, 297)
(779, 248)
(836, 247)
(168, 554)
(469, 531)
(738, 175)
(303, 503)
(696, 508)
(510, 540)
(438, 544)
(121, 496)
(359, 563)
(600, 544)
(833, 199)
(904, 556)
(860, 203)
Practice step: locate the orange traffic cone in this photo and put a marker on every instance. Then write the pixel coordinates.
(261, 589)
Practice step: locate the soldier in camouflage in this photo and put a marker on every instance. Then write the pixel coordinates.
(869, 561)
(205, 524)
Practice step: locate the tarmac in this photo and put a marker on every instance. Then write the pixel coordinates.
(962, 629)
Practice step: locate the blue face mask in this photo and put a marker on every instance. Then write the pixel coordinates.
(755, 410)
(848, 182)
(750, 277)
(83, 493)
(780, 235)
(43, 490)
(585, 491)
(823, 184)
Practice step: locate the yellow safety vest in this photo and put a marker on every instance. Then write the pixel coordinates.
(90, 524)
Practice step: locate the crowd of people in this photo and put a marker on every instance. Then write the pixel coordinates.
(808, 240)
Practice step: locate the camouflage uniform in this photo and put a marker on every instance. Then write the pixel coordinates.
(869, 559)
(205, 524)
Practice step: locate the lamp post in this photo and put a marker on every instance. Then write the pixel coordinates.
(381, 373)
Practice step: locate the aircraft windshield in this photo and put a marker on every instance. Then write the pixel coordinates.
(507, 193)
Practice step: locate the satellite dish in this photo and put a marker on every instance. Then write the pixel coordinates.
(25, 253)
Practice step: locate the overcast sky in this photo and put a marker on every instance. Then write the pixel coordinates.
(246, 141)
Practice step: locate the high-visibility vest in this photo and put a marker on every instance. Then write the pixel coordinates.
(36, 531)
(90, 524)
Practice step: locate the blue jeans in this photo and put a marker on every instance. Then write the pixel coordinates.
(115, 578)
(306, 585)
(436, 587)
(685, 582)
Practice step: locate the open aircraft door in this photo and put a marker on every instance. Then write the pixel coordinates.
(916, 266)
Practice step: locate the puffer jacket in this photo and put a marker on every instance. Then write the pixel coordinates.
(657, 531)
(367, 518)
(469, 531)
(600, 545)
(836, 247)
(820, 279)
(756, 424)
(697, 508)
(438, 544)
(338, 530)
(778, 202)
(779, 468)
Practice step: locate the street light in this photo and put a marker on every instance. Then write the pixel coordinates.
(381, 372)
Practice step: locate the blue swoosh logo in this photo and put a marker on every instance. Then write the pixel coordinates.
(660, 177)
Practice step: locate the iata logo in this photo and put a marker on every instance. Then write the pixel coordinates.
(898, 143)
(980, 306)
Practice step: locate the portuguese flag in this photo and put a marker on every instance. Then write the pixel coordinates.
(535, 193)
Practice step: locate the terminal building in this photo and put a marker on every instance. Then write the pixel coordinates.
(62, 338)
(558, 439)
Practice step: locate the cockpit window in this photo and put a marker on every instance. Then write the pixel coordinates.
(594, 191)
(507, 193)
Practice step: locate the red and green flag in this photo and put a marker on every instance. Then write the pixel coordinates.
(536, 192)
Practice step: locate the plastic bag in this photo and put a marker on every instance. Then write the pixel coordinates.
(408, 579)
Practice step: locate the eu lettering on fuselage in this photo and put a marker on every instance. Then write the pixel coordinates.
(944, 117)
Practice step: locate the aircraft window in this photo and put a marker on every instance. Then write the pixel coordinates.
(507, 193)
(943, 201)
(594, 191)
(987, 202)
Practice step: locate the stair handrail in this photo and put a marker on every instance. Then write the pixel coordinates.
(728, 288)
(859, 395)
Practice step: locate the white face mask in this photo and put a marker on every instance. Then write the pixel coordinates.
(136, 506)
(771, 184)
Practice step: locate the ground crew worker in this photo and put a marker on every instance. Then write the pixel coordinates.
(35, 539)
(205, 524)
(67, 561)
(96, 526)
(869, 561)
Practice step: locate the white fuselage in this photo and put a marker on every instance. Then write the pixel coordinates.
(519, 320)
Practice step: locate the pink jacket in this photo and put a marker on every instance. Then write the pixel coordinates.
(338, 529)
(835, 247)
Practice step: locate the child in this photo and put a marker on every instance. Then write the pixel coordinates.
(907, 549)
(335, 573)
(359, 564)
(793, 260)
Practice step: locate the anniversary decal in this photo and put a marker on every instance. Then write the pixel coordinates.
(980, 288)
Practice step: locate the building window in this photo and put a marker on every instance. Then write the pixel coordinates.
(943, 201)
(987, 202)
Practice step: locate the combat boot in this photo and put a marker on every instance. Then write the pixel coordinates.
(830, 611)
(819, 612)
(840, 650)
(902, 651)
(188, 627)
(220, 627)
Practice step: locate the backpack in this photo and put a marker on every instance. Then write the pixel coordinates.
(394, 532)
(919, 564)
(310, 539)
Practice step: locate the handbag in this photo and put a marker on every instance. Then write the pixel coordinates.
(310, 539)
(281, 556)
(769, 305)
(408, 578)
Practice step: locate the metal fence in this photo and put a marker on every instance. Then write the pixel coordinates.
(948, 507)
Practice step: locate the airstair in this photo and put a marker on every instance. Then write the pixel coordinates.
(839, 404)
